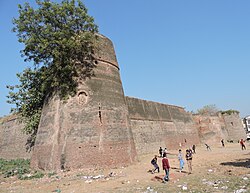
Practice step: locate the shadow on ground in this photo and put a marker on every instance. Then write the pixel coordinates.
(238, 163)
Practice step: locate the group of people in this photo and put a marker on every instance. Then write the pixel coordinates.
(163, 152)
(241, 141)
(166, 164)
(188, 156)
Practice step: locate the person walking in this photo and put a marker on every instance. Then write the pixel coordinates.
(208, 147)
(180, 160)
(154, 163)
(189, 158)
(243, 147)
(165, 167)
(222, 142)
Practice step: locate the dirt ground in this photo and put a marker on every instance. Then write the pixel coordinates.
(219, 170)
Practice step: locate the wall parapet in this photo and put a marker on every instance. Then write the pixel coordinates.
(140, 109)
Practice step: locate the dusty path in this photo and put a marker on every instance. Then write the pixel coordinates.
(220, 170)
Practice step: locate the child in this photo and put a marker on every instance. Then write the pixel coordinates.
(189, 158)
(160, 151)
(154, 163)
(180, 160)
(166, 167)
(165, 152)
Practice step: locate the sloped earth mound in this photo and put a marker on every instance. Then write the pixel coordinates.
(219, 170)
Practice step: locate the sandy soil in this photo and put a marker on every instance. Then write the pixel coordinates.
(220, 170)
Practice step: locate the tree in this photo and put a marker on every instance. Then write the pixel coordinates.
(59, 39)
(208, 110)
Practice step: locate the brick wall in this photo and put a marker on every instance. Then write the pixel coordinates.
(91, 129)
(214, 128)
(12, 139)
(157, 125)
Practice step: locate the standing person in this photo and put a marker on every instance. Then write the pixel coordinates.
(165, 167)
(243, 147)
(160, 151)
(193, 148)
(165, 152)
(180, 160)
(208, 147)
(189, 158)
(154, 163)
(222, 142)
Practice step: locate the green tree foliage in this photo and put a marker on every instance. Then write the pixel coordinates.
(59, 39)
(208, 110)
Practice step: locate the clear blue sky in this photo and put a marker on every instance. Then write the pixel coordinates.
(186, 53)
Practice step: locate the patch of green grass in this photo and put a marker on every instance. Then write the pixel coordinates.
(36, 174)
(51, 174)
(19, 168)
(14, 167)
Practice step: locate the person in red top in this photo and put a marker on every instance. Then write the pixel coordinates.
(243, 147)
(166, 167)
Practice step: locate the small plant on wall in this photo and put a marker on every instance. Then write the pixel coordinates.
(229, 112)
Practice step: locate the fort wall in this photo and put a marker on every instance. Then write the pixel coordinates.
(91, 129)
(12, 139)
(157, 125)
(100, 127)
(234, 127)
(222, 126)
(211, 128)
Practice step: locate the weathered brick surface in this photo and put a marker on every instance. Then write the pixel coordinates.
(211, 128)
(91, 128)
(234, 127)
(157, 125)
(12, 139)
(214, 128)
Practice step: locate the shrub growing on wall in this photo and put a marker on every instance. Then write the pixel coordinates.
(229, 112)
(208, 110)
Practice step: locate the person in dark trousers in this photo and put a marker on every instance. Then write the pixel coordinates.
(208, 147)
(165, 151)
(243, 147)
(222, 143)
(161, 152)
(193, 148)
(154, 163)
(189, 158)
(165, 167)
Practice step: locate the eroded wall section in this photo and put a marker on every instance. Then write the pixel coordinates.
(211, 128)
(221, 126)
